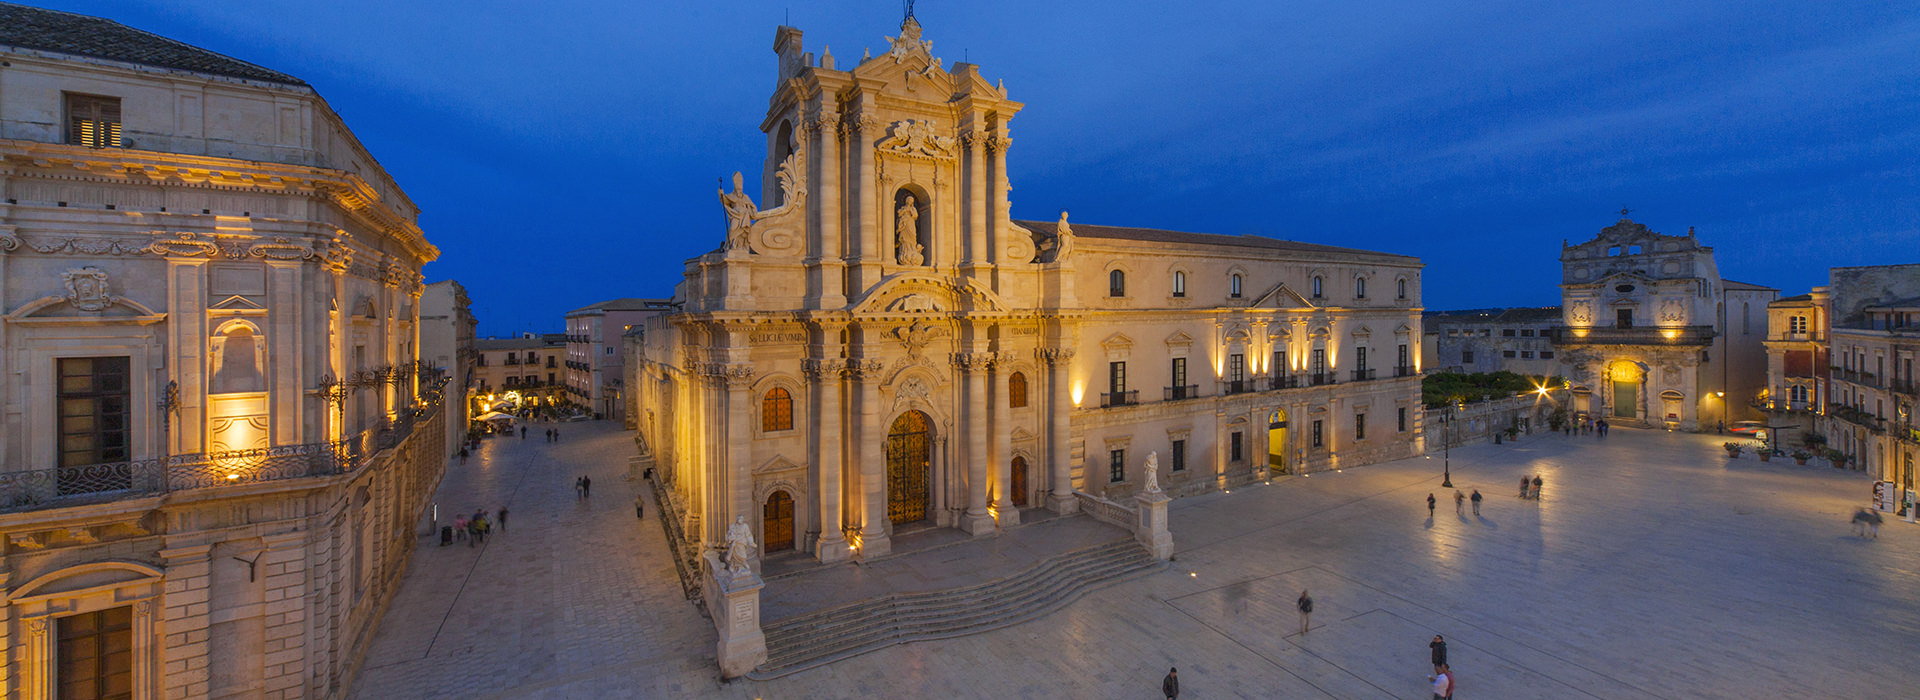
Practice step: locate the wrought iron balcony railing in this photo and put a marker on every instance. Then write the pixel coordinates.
(1283, 381)
(1321, 378)
(1404, 371)
(1120, 398)
(1179, 393)
(1638, 335)
(1362, 375)
(1229, 387)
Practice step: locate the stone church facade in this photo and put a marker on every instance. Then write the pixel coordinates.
(1654, 337)
(878, 346)
(216, 436)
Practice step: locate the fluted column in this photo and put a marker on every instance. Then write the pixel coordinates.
(737, 485)
(973, 369)
(825, 374)
(871, 446)
(997, 144)
(868, 253)
(1059, 430)
(976, 198)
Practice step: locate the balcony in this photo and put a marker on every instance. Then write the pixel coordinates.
(1905, 386)
(1182, 393)
(1321, 378)
(1788, 407)
(1363, 375)
(1229, 387)
(1802, 336)
(1283, 381)
(1857, 417)
(1120, 398)
(1674, 335)
(1405, 371)
(61, 487)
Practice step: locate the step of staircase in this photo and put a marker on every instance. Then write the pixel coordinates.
(817, 638)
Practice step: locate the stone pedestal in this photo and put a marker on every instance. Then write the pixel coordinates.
(834, 550)
(1151, 527)
(734, 600)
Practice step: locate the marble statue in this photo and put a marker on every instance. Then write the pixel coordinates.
(906, 232)
(1062, 238)
(740, 212)
(740, 546)
(1153, 472)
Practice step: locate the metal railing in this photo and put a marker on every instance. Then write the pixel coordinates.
(1362, 375)
(1119, 398)
(1904, 386)
(1321, 378)
(1230, 387)
(1404, 371)
(1635, 335)
(1179, 393)
(60, 487)
(1283, 381)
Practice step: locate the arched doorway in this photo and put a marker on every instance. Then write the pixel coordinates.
(1019, 480)
(776, 523)
(1277, 441)
(1626, 378)
(909, 461)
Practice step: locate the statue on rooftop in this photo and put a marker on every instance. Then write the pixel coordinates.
(740, 212)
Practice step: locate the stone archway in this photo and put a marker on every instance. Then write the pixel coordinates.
(1277, 441)
(909, 467)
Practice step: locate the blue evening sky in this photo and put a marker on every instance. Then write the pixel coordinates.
(564, 152)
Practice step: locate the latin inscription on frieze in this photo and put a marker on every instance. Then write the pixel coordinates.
(777, 337)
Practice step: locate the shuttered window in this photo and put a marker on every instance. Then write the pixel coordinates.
(93, 121)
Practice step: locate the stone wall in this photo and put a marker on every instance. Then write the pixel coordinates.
(1477, 422)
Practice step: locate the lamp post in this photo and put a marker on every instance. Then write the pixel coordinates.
(1446, 478)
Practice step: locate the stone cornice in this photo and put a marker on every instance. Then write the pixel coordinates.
(348, 191)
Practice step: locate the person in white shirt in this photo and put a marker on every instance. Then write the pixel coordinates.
(1442, 683)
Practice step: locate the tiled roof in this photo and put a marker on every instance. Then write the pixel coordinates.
(1127, 233)
(1730, 284)
(1796, 297)
(81, 35)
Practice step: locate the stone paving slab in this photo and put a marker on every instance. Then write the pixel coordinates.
(1653, 567)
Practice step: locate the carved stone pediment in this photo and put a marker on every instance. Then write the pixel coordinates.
(917, 138)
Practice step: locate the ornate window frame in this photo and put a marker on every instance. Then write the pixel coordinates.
(36, 614)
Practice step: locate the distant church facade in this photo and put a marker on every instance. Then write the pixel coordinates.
(877, 346)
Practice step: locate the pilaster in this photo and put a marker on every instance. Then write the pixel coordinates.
(1059, 430)
(188, 581)
(825, 375)
(187, 338)
(973, 366)
(870, 442)
(1002, 428)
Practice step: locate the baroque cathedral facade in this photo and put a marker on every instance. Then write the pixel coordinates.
(878, 346)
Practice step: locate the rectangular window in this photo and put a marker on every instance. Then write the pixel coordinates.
(1116, 466)
(609, 349)
(1117, 377)
(93, 121)
(1359, 426)
(1506, 332)
(1237, 442)
(1236, 368)
(1179, 456)
(1360, 357)
(1506, 353)
(1179, 371)
(1466, 356)
(1623, 318)
(1526, 333)
(93, 656)
(1526, 354)
(1403, 419)
(1546, 354)
(1403, 356)
(1319, 436)
(1319, 361)
(94, 409)
(1279, 366)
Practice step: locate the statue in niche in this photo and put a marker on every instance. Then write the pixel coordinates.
(740, 546)
(740, 212)
(239, 363)
(1153, 472)
(906, 232)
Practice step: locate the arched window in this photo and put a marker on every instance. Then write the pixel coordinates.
(1359, 287)
(1017, 390)
(1400, 288)
(1233, 286)
(1317, 283)
(1179, 283)
(776, 411)
(1116, 283)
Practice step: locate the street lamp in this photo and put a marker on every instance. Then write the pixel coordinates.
(1446, 479)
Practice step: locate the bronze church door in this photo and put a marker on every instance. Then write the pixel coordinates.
(1019, 479)
(776, 523)
(909, 463)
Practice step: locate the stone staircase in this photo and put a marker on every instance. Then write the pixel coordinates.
(813, 639)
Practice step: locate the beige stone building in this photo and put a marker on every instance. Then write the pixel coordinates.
(446, 341)
(216, 433)
(1518, 340)
(877, 346)
(532, 365)
(1653, 336)
(594, 376)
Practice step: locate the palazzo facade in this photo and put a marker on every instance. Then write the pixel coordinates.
(877, 345)
(1654, 337)
(216, 433)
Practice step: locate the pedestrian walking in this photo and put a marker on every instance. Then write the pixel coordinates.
(586, 487)
(579, 487)
(503, 518)
(1524, 483)
(523, 432)
(639, 507)
(473, 533)
(1430, 503)
(1170, 687)
(1873, 524)
(1536, 487)
(1306, 611)
(1459, 502)
(1439, 648)
(1476, 503)
(460, 527)
(1442, 683)
(1603, 427)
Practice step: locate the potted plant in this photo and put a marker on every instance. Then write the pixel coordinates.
(1765, 452)
(1837, 458)
(1733, 449)
(1800, 457)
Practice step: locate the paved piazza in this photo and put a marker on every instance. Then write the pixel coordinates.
(1653, 567)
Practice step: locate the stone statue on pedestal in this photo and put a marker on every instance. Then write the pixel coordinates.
(1153, 472)
(740, 212)
(1062, 238)
(740, 546)
(906, 232)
